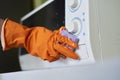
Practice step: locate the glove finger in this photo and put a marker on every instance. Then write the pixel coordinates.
(64, 40)
(51, 58)
(62, 28)
(65, 51)
(46, 56)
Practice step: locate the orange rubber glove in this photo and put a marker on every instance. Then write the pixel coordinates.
(38, 41)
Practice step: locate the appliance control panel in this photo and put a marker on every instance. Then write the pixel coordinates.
(77, 23)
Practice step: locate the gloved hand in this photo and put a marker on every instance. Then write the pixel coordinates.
(38, 41)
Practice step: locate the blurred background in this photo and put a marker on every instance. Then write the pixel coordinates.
(14, 10)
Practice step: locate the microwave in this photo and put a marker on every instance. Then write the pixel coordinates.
(52, 14)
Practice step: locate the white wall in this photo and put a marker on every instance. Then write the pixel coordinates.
(104, 19)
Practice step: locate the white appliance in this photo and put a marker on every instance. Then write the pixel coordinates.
(76, 13)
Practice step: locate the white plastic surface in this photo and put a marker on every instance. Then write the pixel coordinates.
(77, 22)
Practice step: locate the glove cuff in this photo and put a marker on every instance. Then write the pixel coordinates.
(2, 35)
(12, 35)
